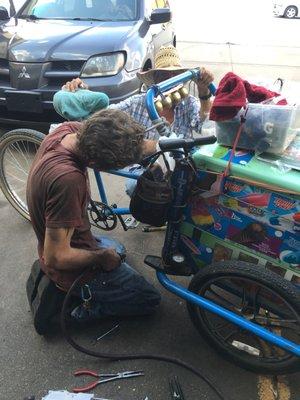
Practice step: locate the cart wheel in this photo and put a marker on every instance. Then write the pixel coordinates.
(17, 151)
(260, 296)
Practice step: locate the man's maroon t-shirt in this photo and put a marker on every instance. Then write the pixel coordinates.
(58, 196)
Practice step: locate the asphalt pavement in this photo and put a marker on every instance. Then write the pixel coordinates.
(33, 365)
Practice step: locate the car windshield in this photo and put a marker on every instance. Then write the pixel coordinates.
(102, 10)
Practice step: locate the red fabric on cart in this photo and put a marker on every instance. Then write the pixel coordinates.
(233, 93)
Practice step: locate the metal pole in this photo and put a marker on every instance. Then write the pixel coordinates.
(228, 315)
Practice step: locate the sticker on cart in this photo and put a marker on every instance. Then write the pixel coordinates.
(188, 242)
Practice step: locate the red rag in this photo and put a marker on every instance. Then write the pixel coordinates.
(257, 94)
(230, 98)
(233, 93)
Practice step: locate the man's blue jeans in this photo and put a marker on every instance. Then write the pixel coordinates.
(121, 292)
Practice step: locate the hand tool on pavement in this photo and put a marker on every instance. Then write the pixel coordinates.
(108, 332)
(175, 389)
(65, 395)
(106, 378)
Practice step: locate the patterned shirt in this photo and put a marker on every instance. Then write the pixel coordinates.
(186, 115)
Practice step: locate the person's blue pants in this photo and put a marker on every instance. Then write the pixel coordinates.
(121, 292)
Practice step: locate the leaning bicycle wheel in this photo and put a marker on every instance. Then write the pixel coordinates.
(260, 296)
(17, 151)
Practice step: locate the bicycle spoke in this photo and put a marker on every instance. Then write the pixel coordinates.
(28, 152)
(229, 303)
(253, 295)
(244, 299)
(17, 148)
(21, 151)
(229, 336)
(16, 167)
(17, 178)
(221, 326)
(279, 323)
(258, 341)
(15, 158)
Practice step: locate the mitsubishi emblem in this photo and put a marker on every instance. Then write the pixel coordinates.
(24, 74)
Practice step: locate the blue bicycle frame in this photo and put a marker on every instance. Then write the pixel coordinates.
(119, 210)
(173, 230)
(153, 114)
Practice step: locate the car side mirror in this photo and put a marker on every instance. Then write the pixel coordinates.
(160, 16)
(3, 14)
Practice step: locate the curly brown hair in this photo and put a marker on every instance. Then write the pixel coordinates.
(110, 139)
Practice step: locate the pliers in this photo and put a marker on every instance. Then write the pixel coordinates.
(107, 378)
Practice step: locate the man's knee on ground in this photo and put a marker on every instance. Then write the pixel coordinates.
(152, 297)
(44, 298)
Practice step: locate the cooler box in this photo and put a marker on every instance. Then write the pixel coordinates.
(268, 128)
(255, 217)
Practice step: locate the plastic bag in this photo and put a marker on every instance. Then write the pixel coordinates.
(64, 395)
(168, 156)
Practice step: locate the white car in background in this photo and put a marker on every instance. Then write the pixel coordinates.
(286, 8)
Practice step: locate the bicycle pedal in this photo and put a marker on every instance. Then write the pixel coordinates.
(131, 223)
(154, 262)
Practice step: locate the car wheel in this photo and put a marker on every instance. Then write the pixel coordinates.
(291, 12)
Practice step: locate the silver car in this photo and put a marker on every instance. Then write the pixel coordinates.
(105, 42)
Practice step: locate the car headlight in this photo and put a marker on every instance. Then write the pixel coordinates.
(103, 65)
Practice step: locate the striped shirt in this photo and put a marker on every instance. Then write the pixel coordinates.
(186, 115)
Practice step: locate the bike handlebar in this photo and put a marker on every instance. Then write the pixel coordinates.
(169, 84)
(186, 144)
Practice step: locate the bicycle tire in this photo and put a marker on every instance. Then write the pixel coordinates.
(8, 139)
(258, 275)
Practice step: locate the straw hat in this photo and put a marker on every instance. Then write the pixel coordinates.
(166, 59)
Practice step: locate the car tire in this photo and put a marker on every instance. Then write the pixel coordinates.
(290, 12)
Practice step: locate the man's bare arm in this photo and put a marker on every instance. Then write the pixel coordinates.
(206, 77)
(59, 254)
(74, 84)
(149, 147)
(205, 109)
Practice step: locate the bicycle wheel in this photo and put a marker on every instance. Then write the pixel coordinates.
(260, 296)
(17, 151)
